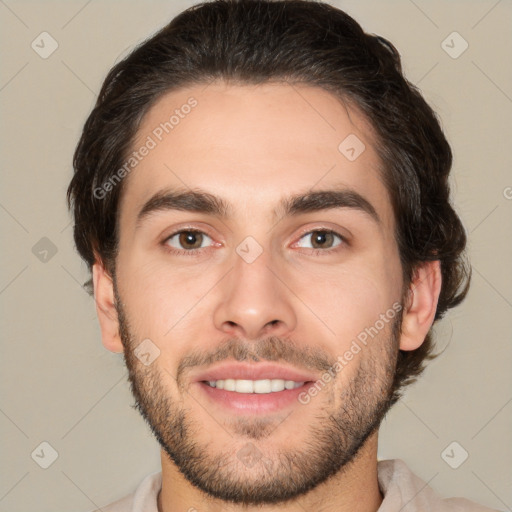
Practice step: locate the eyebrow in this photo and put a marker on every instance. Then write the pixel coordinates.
(200, 201)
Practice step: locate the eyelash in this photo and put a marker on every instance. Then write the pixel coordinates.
(197, 252)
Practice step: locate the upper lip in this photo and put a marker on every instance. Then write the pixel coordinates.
(257, 371)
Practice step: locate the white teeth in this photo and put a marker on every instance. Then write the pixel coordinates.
(254, 386)
(229, 385)
(243, 386)
(277, 385)
(262, 386)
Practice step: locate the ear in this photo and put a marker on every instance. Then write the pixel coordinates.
(420, 311)
(105, 308)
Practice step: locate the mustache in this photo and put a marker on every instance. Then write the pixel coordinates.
(272, 348)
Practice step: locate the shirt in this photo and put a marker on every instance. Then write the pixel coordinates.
(403, 492)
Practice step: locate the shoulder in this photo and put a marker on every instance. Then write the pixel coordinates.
(401, 487)
(143, 499)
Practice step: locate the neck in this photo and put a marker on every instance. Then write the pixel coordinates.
(354, 487)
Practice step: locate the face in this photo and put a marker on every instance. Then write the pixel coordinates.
(254, 249)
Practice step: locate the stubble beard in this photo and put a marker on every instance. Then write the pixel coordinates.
(247, 473)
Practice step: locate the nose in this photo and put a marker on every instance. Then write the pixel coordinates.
(254, 301)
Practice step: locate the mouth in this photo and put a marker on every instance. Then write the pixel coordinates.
(260, 388)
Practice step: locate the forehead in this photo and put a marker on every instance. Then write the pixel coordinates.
(252, 145)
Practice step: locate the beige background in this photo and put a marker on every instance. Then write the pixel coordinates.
(58, 383)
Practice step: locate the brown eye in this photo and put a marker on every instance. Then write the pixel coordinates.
(322, 239)
(188, 240)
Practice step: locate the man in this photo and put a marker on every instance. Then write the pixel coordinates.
(263, 201)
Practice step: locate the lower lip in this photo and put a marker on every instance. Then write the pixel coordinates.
(254, 403)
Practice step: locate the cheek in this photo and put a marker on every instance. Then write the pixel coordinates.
(147, 297)
(350, 300)
(160, 300)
